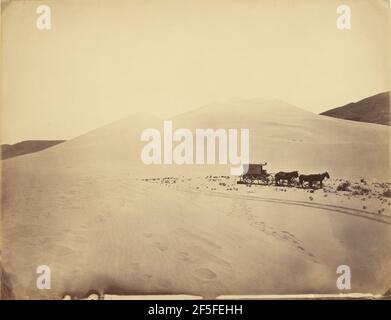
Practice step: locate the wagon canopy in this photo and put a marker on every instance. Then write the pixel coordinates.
(255, 169)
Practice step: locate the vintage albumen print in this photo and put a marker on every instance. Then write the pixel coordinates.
(195, 148)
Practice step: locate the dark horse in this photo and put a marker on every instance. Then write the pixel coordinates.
(288, 176)
(311, 178)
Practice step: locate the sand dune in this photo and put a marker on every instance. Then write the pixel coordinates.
(287, 137)
(290, 138)
(82, 208)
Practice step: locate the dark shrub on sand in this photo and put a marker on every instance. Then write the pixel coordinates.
(360, 190)
(387, 193)
(344, 186)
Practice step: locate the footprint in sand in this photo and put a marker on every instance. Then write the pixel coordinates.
(205, 273)
(288, 233)
(135, 266)
(163, 283)
(147, 276)
(160, 246)
(184, 255)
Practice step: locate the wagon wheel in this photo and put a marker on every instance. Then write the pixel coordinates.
(258, 179)
(248, 179)
(261, 180)
(264, 179)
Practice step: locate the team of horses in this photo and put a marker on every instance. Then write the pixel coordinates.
(310, 179)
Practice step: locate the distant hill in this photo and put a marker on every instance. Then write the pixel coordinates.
(375, 109)
(25, 147)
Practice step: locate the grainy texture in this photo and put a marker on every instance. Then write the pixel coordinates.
(87, 208)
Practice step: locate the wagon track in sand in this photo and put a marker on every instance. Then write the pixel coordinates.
(328, 207)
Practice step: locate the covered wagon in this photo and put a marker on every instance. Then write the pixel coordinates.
(256, 174)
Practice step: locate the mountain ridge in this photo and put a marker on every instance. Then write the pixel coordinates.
(373, 109)
(26, 147)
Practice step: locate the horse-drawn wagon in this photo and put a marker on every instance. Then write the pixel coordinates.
(256, 174)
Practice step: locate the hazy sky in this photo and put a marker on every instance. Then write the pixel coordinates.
(105, 59)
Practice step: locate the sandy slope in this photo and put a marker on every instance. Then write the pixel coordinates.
(81, 208)
(290, 138)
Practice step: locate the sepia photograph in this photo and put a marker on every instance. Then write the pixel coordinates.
(195, 150)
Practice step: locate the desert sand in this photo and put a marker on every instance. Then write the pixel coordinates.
(105, 222)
